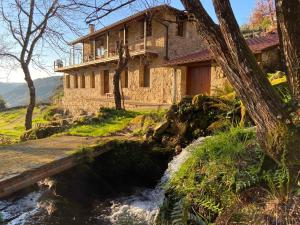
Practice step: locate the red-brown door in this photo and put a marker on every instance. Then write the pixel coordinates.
(198, 80)
(106, 81)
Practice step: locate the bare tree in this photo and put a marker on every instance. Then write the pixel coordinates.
(99, 9)
(124, 56)
(31, 24)
(276, 133)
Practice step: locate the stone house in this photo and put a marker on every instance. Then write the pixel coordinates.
(168, 61)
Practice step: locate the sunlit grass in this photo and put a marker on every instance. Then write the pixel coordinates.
(101, 129)
(12, 122)
(110, 122)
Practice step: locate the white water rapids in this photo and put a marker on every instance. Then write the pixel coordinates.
(141, 208)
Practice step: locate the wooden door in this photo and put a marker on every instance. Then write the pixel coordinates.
(106, 81)
(198, 80)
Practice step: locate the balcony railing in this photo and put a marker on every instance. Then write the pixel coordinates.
(76, 58)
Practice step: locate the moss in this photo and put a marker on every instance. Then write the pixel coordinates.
(128, 161)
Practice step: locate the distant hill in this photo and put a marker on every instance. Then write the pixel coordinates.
(16, 94)
(6, 87)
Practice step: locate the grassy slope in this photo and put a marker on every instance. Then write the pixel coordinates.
(12, 122)
(102, 128)
(110, 123)
(217, 171)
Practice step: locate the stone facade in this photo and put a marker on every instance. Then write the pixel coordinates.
(147, 82)
(82, 92)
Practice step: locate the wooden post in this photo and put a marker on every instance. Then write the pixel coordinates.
(145, 34)
(94, 49)
(82, 52)
(70, 58)
(174, 93)
(73, 48)
(124, 35)
(107, 44)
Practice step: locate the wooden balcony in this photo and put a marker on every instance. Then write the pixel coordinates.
(98, 61)
(138, 45)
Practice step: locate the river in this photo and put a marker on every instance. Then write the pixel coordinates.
(62, 200)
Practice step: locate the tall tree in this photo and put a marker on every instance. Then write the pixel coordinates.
(124, 56)
(30, 24)
(288, 12)
(275, 130)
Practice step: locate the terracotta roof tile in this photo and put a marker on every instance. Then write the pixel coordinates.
(257, 45)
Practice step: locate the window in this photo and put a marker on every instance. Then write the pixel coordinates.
(124, 79)
(93, 79)
(145, 76)
(82, 81)
(106, 82)
(75, 81)
(68, 83)
(180, 28)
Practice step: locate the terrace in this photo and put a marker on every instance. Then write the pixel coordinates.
(101, 47)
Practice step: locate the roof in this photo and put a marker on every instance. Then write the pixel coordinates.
(125, 20)
(257, 45)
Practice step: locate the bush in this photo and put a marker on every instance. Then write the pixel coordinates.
(229, 180)
(209, 181)
(2, 104)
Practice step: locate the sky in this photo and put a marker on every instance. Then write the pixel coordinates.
(241, 8)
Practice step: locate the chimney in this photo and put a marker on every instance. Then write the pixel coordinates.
(92, 28)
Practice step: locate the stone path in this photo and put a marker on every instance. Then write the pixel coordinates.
(15, 159)
(25, 163)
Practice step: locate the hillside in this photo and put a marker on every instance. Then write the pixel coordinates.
(7, 87)
(16, 94)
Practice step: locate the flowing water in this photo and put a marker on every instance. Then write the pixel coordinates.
(125, 206)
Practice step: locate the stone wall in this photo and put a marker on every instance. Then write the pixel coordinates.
(161, 89)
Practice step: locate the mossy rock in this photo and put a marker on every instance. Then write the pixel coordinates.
(132, 161)
(199, 116)
(41, 132)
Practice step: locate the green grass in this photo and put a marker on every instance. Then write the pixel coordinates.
(12, 122)
(217, 171)
(109, 121)
(100, 129)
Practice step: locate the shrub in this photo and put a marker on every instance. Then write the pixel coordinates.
(218, 170)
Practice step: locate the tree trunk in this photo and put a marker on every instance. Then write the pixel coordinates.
(31, 105)
(233, 55)
(117, 94)
(288, 14)
(122, 64)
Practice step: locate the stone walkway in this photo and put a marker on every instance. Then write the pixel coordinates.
(24, 163)
(15, 159)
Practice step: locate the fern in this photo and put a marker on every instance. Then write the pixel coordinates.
(210, 204)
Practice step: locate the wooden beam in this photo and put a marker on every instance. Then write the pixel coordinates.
(145, 33)
(94, 49)
(107, 44)
(124, 35)
(73, 48)
(82, 52)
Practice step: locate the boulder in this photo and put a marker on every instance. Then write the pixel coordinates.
(161, 128)
(42, 132)
(57, 116)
